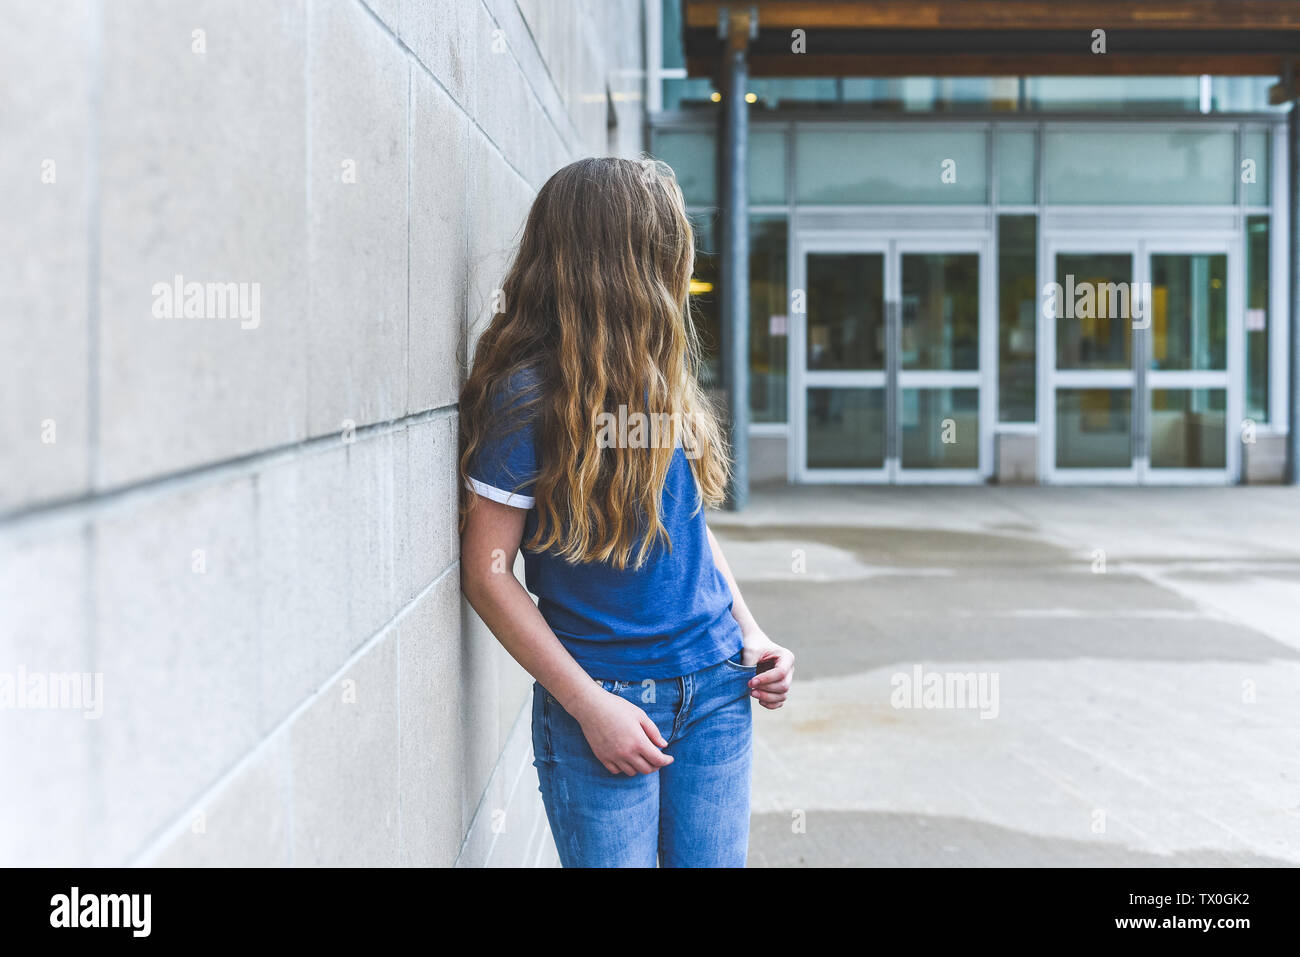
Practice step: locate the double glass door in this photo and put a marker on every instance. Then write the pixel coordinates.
(1138, 345)
(889, 342)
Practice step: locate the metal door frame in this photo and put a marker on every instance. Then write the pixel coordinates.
(892, 379)
(1140, 379)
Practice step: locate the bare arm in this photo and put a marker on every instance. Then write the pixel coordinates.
(487, 559)
(739, 609)
(770, 687)
(621, 735)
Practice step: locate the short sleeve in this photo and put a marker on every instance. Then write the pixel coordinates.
(505, 465)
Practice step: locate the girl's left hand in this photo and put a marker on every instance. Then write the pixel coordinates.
(770, 687)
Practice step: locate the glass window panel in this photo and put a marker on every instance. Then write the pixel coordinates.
(704, 301)
(679, 93)
(904, 94)
(768, 318)
(846, 311)
(927, 94)
(1017, 318)
(1017, 152)
(940, 428)
(1242, 94)
(912, 166)
(1106, 167)
(773, 92)
(671, 29)
(1257, 317)
(1255, 168)
(941, 311)
(1189, 311)
(846, 428)
(691, 155)
(1094, 428)
(1189, 428)
(766, 168)
(1094, 313)
(1129, 94)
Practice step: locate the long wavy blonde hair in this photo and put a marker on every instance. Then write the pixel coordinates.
(596, 316)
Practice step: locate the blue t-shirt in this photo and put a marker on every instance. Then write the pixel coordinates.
(670, 617)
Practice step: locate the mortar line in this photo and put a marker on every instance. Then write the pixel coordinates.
(308, 208)
(90, 506)
(94, 129)
(546, 68)
(385, 28)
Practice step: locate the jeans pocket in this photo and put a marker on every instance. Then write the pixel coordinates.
(543, 750)
(734, 663)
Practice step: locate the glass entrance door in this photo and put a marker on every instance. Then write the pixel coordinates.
(1138, 339)
(846, 333)
(1091, 309)
(1186, 351)
(890, 387)
(938, 361)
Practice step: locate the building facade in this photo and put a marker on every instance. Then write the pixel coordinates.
(1026, 279)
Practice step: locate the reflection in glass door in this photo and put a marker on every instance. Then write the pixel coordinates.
(1187, 402)
(845, 358)
(1092, 309)
(938, 363)
(1139, 383)
(890, 383)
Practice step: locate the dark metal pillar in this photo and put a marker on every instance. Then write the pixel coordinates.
(736, 25)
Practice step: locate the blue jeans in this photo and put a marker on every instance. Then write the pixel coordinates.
(692, 813)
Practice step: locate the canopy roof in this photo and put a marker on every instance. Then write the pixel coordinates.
(1002, 37)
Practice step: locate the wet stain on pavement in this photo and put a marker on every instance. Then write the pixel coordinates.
(999, 598)
(892, 839)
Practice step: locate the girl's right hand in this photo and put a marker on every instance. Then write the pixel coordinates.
(623, 737)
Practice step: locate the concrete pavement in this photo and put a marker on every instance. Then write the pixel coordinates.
(1027, 675)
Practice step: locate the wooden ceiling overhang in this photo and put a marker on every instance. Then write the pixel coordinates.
(1002, 37)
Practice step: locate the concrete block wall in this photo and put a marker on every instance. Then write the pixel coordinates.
(241, 528)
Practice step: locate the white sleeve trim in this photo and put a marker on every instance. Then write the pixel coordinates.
(513, 499)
